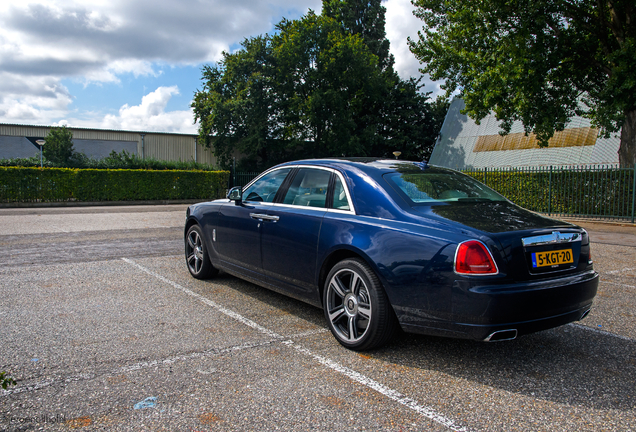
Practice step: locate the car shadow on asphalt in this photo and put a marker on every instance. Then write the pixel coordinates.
(566, 365)
(286, 304)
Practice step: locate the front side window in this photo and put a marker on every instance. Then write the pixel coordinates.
(309, 188)
(264, 189)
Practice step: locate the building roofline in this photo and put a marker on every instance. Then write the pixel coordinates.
(98, 129)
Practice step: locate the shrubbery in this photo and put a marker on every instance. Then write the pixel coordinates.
(25, 184)
(599, 191)
(123, 160)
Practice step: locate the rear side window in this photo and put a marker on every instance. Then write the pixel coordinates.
(340, 200)
(439, 185)
(309, 188)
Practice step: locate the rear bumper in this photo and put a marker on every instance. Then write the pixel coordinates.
(482, 309)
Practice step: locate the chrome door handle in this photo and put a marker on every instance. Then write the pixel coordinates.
(261, 216)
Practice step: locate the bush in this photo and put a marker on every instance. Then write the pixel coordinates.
(19, 184)
(589, 191)
(123, 160)
(6, 380)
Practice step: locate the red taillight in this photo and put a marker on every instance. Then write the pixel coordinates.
(473, 258)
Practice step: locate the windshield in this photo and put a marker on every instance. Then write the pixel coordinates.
(435, 185)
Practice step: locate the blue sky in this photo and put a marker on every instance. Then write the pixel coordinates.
(135, 64)
(109, 97)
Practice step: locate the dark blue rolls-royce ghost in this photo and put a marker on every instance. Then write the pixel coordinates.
(384, 244)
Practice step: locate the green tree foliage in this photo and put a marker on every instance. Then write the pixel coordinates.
(365, 18)
(332, 85)
(59, 146)
(536, 61)
(321, 86)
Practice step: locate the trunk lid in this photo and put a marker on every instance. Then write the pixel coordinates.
(532, 246)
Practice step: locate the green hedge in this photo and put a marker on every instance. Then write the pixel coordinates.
(67, 184)
(584, 191)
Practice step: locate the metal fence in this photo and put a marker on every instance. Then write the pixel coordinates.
(238, 178)
(591, 191)
(594, 191)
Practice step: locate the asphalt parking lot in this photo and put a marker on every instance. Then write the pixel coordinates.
(104, 329)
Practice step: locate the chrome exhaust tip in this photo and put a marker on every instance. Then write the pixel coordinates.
(502, 335)
(586, 313)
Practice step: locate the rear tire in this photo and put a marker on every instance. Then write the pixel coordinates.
(196, 254)
(356, 307)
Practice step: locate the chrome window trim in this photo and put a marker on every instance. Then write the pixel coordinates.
(556, 237)
(258, 177)
(291, 206)
(352, 209)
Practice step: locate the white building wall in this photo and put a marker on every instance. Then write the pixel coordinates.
(459, 135)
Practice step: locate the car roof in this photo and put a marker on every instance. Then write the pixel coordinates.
(365, 164)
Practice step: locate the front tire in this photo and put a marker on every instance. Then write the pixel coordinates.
(197, 257)
(356, 307)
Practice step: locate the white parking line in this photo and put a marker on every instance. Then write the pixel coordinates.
(228, 312)
(133, 367)
(390, 393)
(612, 272)
(307, 333)
(412, 404)
(602, 332)
(617, 283)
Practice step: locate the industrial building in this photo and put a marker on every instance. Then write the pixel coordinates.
(19, 141)
(463, 144)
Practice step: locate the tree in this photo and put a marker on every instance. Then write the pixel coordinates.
(317, 87)
(330, 86)
(365, 18)
(536, 61)
(411, 123)
(298, 93)
(59, 146)
(237, 107)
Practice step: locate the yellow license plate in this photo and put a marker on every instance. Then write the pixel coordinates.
(552, 258)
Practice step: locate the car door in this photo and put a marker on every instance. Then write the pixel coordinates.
(238, 228)
(290, 242)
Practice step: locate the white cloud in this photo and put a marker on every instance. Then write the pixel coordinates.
(31, 100)
(150, 115)
(44, 42)
(400, 25)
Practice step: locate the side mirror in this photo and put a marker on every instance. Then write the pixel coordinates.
(235, 194)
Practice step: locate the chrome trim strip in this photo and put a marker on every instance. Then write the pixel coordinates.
(554, 238)
(263, 173)
(276, 206)
(333, 170)
(262, 216)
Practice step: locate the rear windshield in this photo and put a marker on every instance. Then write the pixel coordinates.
(435, 185)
